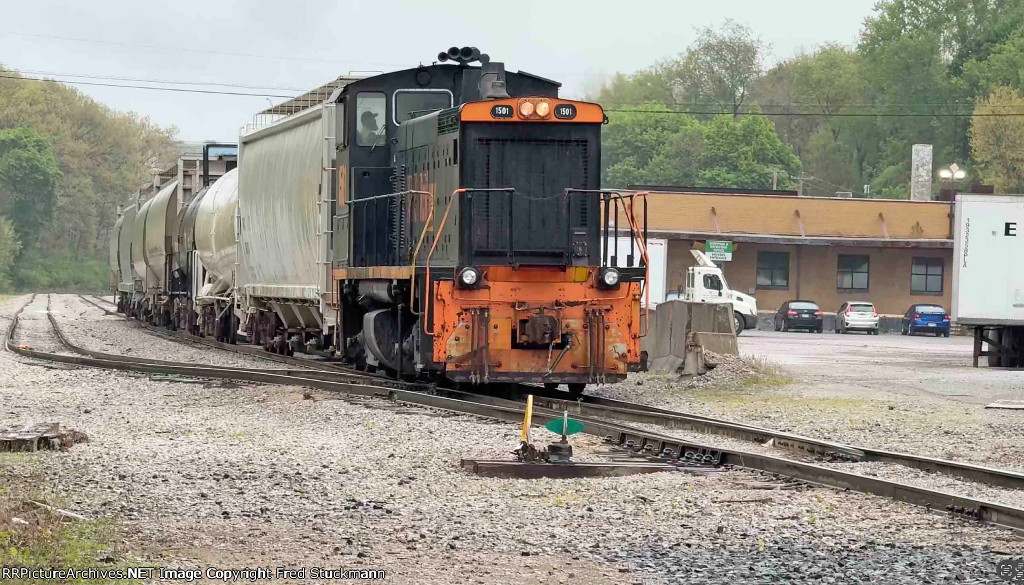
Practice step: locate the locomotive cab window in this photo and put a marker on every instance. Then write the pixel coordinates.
(412, 103)
(371, 120)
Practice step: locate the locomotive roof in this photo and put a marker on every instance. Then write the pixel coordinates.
(325, 92)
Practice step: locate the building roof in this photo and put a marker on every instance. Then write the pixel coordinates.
(819, 221)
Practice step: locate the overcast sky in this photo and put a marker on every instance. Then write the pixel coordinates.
(296, 45)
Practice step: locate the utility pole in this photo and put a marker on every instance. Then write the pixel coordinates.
(800, 184)
(775, 179)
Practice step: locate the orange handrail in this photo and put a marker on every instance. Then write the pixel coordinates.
(631, 217)
(437, 237)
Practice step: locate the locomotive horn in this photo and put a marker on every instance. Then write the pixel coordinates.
(469, 54)
(442, 56)
(454, 53)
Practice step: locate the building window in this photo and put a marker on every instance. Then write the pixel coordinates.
(926, 276)
(852, 273)
(773, 270)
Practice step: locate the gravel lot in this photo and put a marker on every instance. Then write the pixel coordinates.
(911, 394)
(241, 475)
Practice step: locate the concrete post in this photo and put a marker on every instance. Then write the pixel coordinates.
(921, 173)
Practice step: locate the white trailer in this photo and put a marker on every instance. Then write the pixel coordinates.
(988, 277)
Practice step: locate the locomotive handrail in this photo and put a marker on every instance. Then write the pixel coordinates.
(437, 238)
(400, 195)
(628, 203)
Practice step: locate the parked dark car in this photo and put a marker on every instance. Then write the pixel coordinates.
(926, 318)
(799, 315)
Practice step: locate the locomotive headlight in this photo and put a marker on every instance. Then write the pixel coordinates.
(609, 278)
(469, 277)
(526, 109)
(543, 109)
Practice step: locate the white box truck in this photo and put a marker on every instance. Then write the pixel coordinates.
(988, 275)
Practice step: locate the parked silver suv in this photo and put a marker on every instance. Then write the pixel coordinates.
(857, 316)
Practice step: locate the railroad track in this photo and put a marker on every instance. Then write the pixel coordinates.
(595, 416)
(335, 370)
(607, 408)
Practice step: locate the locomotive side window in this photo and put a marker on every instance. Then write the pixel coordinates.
(412, 103)
(371, 120)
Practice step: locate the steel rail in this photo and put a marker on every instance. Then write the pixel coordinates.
(632, 412)
(335, 370)
(660, 447)
(595, 406)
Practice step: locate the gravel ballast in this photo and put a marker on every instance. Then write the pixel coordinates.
(236, 474)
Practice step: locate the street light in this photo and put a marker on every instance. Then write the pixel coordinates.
(953, 172)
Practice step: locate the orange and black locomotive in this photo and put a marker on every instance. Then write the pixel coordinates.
(473, 240)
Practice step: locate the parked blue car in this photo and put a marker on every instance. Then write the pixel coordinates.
(926, 318)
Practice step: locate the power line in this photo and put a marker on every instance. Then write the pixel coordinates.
(840, 187)
(820, 114)
(200, 51)
(791, 104)
(613, 110)
(143, 80)
(174, 89)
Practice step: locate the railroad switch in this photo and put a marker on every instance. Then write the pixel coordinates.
(558, 452)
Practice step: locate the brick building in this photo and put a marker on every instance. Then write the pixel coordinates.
(829, 250)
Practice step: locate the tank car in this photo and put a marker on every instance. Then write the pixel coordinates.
(122, 269)
(155, 228)
(209, 229)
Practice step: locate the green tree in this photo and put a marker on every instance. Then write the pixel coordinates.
(647, 147)
(1003, 66)
(643, 87)
(103, 156)
(744, 153)
(721, 67)
(998, 142)
(28, 183)
(8, 250)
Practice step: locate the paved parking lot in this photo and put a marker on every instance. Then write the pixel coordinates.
(874, 366)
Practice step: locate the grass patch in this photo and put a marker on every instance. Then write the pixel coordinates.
(766, 372)
(35, 537)
(746, 378)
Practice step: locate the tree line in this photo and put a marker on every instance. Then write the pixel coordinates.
(944, 72)
(66, 163)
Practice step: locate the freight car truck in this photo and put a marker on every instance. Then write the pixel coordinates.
(988, 275)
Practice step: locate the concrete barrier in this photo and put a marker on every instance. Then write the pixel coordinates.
(680, 332)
